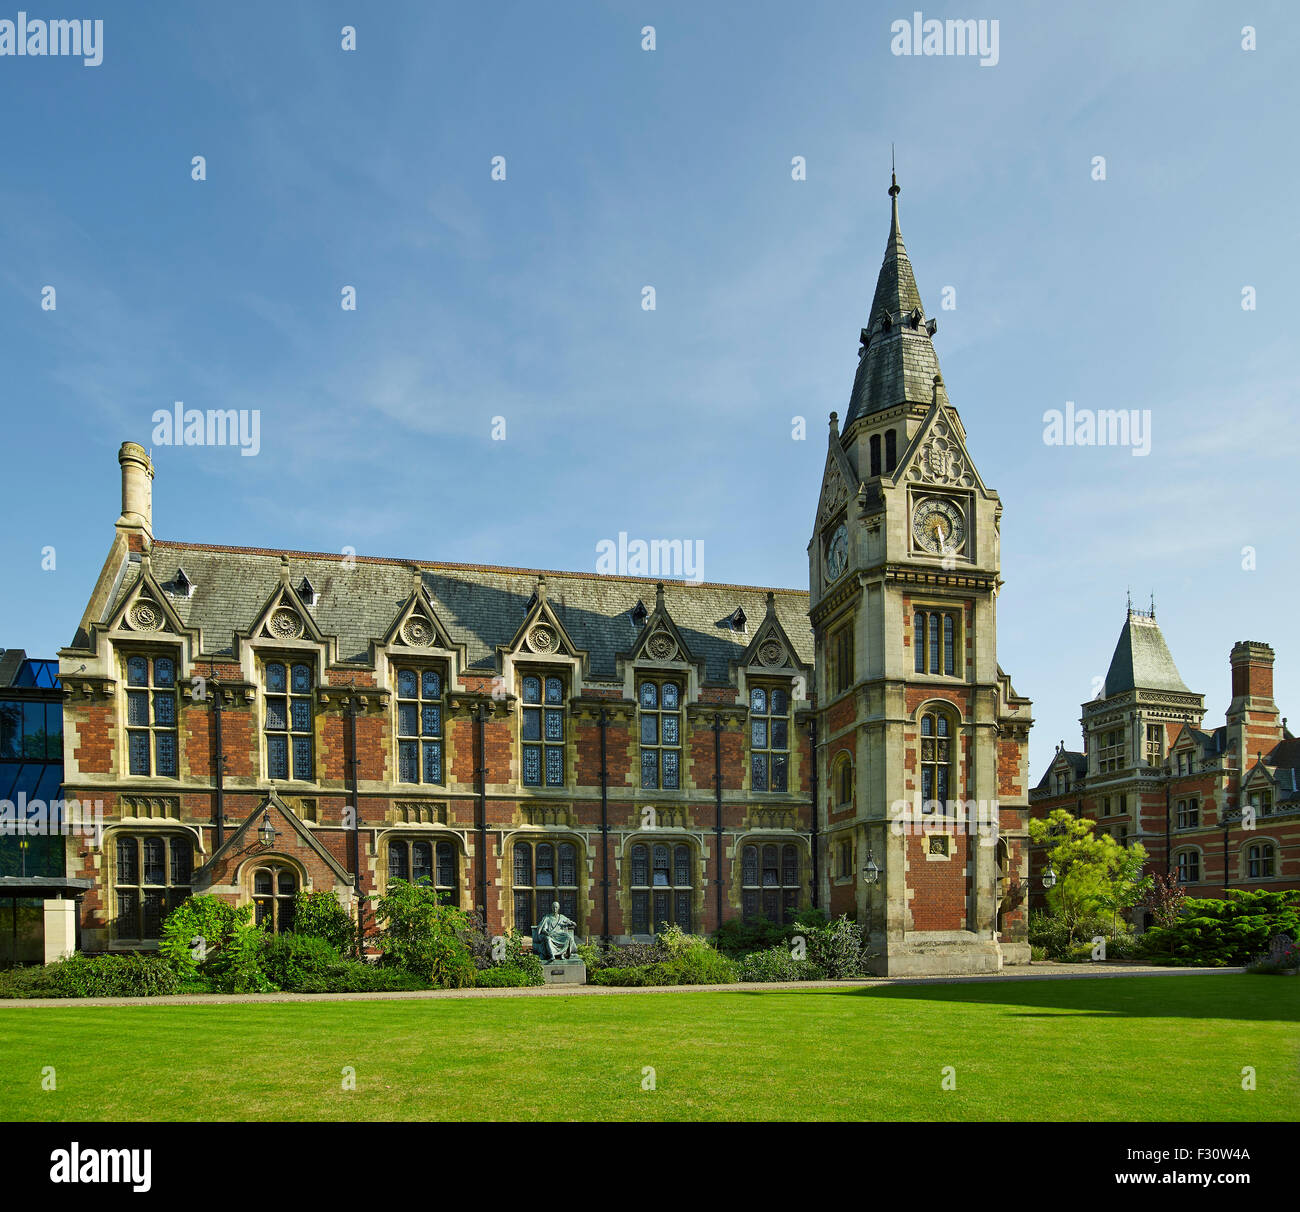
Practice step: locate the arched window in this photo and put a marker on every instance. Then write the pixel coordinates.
(288, 721)
(426, 862)
(152, 878)
(663, 884)
(875, 454)
(419, 726)
(1188, 866)
(544, 872)
(661, 733)
(151, 715)
(936, 761)
(275, 886)
(1259, 861)
(844, 781)
(891, 450)
(769, 882)
(542, 734)
(769, 738)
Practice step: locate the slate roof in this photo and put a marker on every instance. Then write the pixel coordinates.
(1142, 659)
(1078, 764)
(481, 607)
(1285, 758)
(900, 364)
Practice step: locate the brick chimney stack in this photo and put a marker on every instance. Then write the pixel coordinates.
(1252, 675)
(136, 522)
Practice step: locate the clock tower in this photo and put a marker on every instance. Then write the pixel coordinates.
(922, 743)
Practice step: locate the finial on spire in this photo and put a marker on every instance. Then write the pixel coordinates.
(893, 179)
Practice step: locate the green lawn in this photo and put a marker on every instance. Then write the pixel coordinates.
(1135, 1048)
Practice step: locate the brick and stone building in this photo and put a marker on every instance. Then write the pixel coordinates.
(1219, 808)
(257, 721)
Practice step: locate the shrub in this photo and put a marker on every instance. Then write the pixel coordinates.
(422, 936)
(197, 928)
(778, 964)
(505, 976)
(93, 976)
(290, 960)
(357, 976)
(638, 975)
(1215, 933)
(629, 955)
(320, 915)
(836, 949)
(1059, 940)
(741, 936)
(236, 967)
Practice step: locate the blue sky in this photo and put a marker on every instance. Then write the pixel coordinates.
(522, 298)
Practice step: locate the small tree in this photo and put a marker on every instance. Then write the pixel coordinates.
(1094, 873)
(1166, 899)
(422, 936)
(320, 915)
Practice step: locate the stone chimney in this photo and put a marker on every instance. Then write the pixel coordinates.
(136, 522)
(1252, 676)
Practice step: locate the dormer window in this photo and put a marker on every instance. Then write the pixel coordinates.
(182, 586)
(640, 614)
(738, 620)
(307, 591)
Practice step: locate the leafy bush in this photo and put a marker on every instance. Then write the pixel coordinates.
(290, 960)
(741, 936)
(93, 976)
(639, 975)
(629, 955)
(778, 964)
(197, 928)
(424, 937)
(1058, 939)
(358, 976)
(236, 967)
(837, 949)
(320, 915)
(508, 976)
(1216, 933)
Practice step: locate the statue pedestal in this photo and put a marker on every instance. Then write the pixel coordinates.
(565, 972)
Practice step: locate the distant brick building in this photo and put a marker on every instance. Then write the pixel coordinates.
(1219, 808)
(257, 721)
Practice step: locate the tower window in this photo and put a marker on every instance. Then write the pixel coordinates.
(839, 672)
(875, 454)
(936, 761)
(1155, 744)
(1113, 752)
(769, 738)
(934, 642)
(891, 450)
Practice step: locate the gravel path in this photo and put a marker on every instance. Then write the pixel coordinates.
(1039, 971)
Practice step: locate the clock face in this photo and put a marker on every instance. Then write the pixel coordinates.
(837, 552)
(939, 526)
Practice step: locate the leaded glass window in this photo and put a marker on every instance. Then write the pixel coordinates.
(419, 725)
(153, 874)
(769, 738)
(544, 872)
(770, 881)
(151, 715)
(936, 761)
(1259, 861)
(288, 723)
(1189, 867)
(427, 862)
(934, 642)
(275, 889)
(662, 885)
(661, 733)
(542, 732)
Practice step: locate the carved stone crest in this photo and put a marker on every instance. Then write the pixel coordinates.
(417, 631)
(542, 638)
(144, 615)
(661, 646)
(285, 624)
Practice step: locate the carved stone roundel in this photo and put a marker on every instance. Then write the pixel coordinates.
(541, 639)
(661, 646)
(417, 631)
(285, 624)
(145, 615)
(771, 653)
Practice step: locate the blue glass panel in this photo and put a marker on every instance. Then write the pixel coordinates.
(670, 696)
(943, 725)
(137, 707)
(524, 865)
(164, 672)
(137, 671)
(433, 761)
(554, 767)
(275, 715)
(670, 729)
(918, 640)
(302, 758)
(670, 769)
(408, 719)
(758, 764)
(128, 871)
(545, 865)
(682, 910)
(301, 679)
(927, 785)
(779, 772)
(406, 683)
(568, 864)
(11, 730)
(749, 865)
(758, 734)
(649, 769)
(432, 684)
(942, 789)
(277, 757)
(649, 730)
(165, 749)
(138, 744)
(155, 860)
(532, 690)
(649, 695)
(927, 725)
(554, 690)
(640, 913)
(432, 720)
(164, 708)
(681, 866)
(275, 677)
(523, 912)
(554, 725)
(532, 765)
(531, 725)
(758, 700)
(780, 735)
(301, 714)
(406, 762)
(446, 864)
(780, 702)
